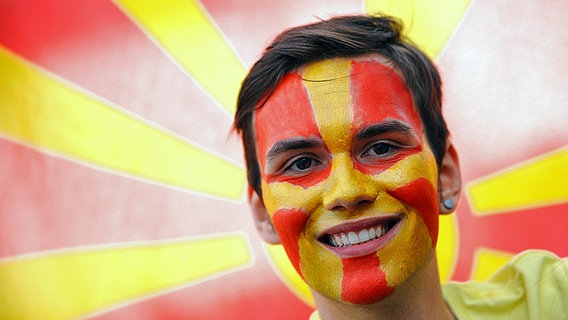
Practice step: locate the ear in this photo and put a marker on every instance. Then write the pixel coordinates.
(450, 179)
(262, 220)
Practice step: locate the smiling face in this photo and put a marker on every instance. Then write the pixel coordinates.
(348, 178)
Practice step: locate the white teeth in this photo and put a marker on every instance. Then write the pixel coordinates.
(344, 240)
(372, 233)
(353, 238)
(364, 235)
(338, 240)
(380, 231)
(333, 242)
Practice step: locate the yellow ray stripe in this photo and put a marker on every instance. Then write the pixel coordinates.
(42, 111)
(429, 23)
(286, 271)
(183, 28)
(68, 285)
(447, 246)
(487, 262)
(542, 181)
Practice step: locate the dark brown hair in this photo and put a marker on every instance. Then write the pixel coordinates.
(345, 36)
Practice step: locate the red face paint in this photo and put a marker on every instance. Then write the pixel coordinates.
(420, 194)
(305, 181)
(289, 224)
(288, 114)
(379, 94)
(364, 281)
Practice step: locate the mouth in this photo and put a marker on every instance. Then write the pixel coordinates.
(359, 237)
(350, 238)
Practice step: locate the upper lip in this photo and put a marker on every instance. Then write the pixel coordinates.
(359, 224)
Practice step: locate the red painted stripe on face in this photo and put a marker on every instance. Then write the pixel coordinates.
(304, 181)
(289, 223)
(379, 93)
(420, 195)
(364, 282)
(288, 113)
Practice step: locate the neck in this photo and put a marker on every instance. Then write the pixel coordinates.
(419, 298)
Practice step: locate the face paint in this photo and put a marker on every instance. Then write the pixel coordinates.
(361, 278)
(290, 224)
(287, 116)
(379, 85)
(420, 195)
(379, 94)
(343, 160)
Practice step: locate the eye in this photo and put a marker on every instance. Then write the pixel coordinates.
(302, 164)
(381, 149)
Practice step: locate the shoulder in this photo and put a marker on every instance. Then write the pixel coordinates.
(532, 285)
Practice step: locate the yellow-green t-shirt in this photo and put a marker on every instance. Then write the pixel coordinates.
(532, 285)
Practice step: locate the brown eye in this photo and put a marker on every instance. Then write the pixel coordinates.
(381, 148)
(303, 163)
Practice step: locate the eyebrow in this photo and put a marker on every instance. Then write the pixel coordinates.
(385, 127)
(292, 144)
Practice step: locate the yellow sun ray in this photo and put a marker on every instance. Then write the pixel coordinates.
(185, 31)
(61, 119)
(536, 183)
(428, 23)
(67, 285)
(447, 247)
(487, 262)
(288, 274)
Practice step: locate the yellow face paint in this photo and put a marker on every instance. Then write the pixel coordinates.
(328, 87)
(348, 178)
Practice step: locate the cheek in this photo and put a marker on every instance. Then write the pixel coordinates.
(289, 224)
(421, 195)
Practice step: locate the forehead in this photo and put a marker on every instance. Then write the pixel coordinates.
(334, 94)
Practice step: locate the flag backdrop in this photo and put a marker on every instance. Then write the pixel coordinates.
(122, 191)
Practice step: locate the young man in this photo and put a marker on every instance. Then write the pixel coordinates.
(350, 164)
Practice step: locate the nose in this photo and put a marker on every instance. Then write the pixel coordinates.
(347, 188)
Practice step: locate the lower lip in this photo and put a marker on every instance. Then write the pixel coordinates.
(365, 248)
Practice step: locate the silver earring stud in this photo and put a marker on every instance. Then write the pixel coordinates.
(449, 204)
